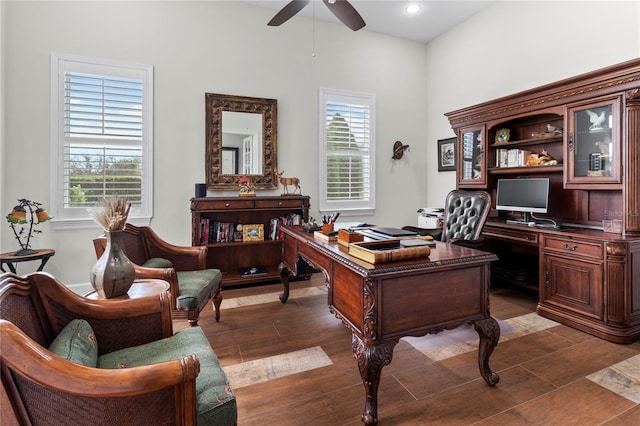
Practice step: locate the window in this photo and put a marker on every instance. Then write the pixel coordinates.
(347, 142)
(102, 137)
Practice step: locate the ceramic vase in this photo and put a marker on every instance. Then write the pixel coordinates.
(113, 273)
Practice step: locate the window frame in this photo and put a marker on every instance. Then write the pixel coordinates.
(351, 207)
(78, 217)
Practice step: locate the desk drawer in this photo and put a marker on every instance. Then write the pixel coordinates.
(276, 204)
(525, 237)
(228, 204)
(569, 245)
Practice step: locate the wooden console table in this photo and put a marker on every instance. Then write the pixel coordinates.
(382, 303)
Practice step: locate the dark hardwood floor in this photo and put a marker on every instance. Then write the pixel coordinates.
(543, 375)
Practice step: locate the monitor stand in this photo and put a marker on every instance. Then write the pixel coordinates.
(526, 220)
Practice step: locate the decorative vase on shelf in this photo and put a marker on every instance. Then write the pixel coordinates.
(113, 273)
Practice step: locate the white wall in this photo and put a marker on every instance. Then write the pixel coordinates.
(518, 45)
(224, 47)
(198, 47)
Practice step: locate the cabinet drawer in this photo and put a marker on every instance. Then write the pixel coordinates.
(227, 204)
(510, 235)
(274, 204)
(568, 245)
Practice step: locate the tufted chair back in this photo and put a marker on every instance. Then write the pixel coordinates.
(464, 214)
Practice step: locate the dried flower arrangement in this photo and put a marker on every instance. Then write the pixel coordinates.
(111, 213)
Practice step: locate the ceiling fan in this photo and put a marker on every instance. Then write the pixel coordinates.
(342, 9)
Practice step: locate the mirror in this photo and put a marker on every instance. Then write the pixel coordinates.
(240, 139)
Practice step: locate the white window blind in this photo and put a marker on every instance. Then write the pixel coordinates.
(102, 129)
(103, 139)
(347, 144)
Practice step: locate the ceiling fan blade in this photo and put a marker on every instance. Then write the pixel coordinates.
(288, 12)
(346, 13)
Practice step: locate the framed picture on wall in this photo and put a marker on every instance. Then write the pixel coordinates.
(446, 154)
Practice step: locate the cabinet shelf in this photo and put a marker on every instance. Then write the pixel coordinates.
(527, 170)
(241, 243)
(525, 142)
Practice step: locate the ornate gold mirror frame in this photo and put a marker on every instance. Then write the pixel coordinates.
(215, 104)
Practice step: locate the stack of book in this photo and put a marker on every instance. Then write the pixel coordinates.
(511, 157)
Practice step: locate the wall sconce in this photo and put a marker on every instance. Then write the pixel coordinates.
(29, 213)
(398, 150)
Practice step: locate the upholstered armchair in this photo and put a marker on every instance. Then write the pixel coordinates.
(69, 360)
(465, 213)
(191, 284)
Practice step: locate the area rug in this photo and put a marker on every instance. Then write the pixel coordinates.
(258, 299)
(622, 378)
(464, 339)
(261, 370)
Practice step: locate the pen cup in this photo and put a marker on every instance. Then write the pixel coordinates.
(327, 228)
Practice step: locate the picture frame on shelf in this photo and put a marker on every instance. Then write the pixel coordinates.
(447, 154)
(253, 232)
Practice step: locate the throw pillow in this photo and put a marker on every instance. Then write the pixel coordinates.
(158, 262)
(77, 343)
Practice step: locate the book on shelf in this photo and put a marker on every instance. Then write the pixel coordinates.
(511, 157)
(386, 251)
(216, 232)
(276, 224)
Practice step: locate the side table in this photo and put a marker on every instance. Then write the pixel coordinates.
(139, 288)
(11, 259)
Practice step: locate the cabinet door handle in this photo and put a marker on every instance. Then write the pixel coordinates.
(571, 141)
(546, 278)
(568, 247)
(280, 203)
(227, 205)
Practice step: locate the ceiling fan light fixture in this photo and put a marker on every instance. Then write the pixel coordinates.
(413, 9)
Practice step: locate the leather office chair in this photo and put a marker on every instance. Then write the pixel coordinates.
(465, 213)
(191, 284)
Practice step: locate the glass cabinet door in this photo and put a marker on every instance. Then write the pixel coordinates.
(472, 169)
(593, 149)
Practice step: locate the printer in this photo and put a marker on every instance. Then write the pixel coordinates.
(430, 217)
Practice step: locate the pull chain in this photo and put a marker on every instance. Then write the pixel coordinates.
(313, 31)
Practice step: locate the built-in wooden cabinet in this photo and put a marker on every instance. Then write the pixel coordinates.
(594, 144)
(231, 255)
(571, 271)
(586, 129)
(472, 169)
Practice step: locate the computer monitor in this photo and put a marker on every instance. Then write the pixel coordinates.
(526, 195)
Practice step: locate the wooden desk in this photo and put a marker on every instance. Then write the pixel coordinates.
(11, 258)
(382, 303)
(139, 288)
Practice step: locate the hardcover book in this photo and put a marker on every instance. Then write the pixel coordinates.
(386, 251)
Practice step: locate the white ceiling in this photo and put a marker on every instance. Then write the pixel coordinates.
(389, 17)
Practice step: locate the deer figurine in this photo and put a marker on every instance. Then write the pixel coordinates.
(289, 181)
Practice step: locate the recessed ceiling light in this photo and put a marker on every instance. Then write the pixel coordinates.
(412, 8)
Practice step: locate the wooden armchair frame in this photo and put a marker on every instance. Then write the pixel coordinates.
(141, 243)
(38, 386)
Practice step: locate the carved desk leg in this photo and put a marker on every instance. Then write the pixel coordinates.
(489, 333)
(371, 359)
(217, 301)
(285, 273)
